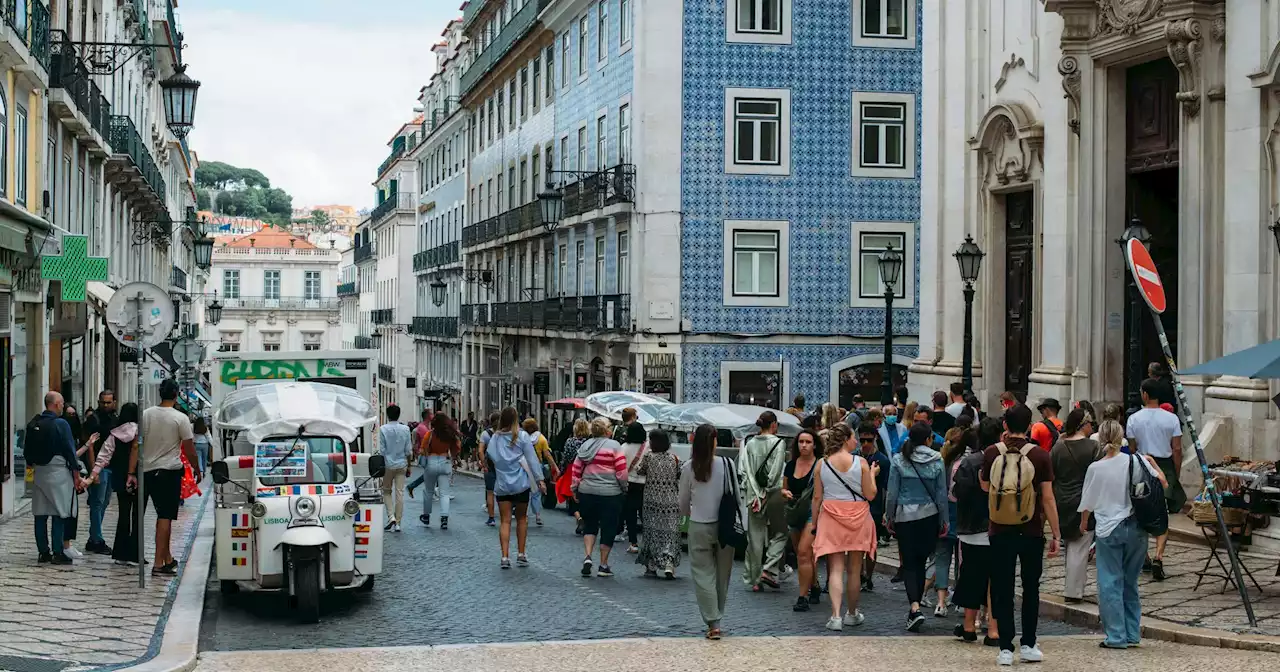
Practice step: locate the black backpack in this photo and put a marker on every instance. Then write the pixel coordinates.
(1146, 495)
(40, 440)
(1053, 432)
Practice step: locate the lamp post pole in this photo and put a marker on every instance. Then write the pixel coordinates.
(967, 371)
(890, 266)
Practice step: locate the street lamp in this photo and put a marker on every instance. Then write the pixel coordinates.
(213, 311)
(551, 205)
(203, 246)
(1135, 231)
(180, 101)
(969, 256)
(437, 292)
(890, 263)
(375, 339)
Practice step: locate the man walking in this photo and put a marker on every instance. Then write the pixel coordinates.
(956, 407)
(51, 450)
(101, 421)
(1018, 477)
(167, 437)
(1046, 432)
(396, 444)
(1156, 432)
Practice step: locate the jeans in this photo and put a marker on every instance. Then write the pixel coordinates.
(916, 541)
(42, 534)
(436, 473)
(940, 569)
(1007, 550)
(202, 452)
(1120, 557)
(99, 495)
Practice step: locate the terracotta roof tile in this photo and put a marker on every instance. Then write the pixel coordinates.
(271, 237)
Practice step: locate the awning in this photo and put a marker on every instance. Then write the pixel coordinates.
(16, 222)
(100, 292)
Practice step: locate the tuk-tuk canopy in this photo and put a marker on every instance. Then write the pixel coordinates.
(610, 405)
(285, 408)
(740, 419)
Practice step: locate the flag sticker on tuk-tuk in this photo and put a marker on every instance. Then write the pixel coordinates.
(239, 520)
(362, 553)
(239, 562)
(239, 533)
(362, 529)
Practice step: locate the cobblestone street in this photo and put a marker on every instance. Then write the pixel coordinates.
(445, 587)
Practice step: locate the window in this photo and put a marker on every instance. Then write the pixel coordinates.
(579, 268)
(537, 186)
(884, 143)
(551, 71)
(310, 347)
(20, 155)
(582, 149)
(497, 195)
(489, 127)
(311, 285)
(624, 262)
(602, 31)
(229, 347)
(758, 131)
(524, 91)
(884, 23)
(600, 283)
(602, 140)
(482, 127)
(564, 60)
(511, 104)
(624, 23)
(4, 146)
(231, 284)
(756, 265)
(758, 21)
(271, 347)
(513, 199)
(564, 267)
(271, 284)
(755, 383)
(583, 25)
(564, 153)
(624, 134)
(868, 240)
(536, 93)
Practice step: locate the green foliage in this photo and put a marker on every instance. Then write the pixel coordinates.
(203, 201)
(320, 219)
(242, 192)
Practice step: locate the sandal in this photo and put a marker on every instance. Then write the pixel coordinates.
(769, 581)
(713, 634)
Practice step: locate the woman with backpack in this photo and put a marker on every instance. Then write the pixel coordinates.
(916, 511)
(842, 525)
(1071, 457)
(704, 481)
(1108, 494)
(972, 526)
(760, 472)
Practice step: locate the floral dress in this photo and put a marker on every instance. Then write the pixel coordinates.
(660, 544)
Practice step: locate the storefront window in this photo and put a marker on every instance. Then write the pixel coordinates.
(755, 388)
(866, 379)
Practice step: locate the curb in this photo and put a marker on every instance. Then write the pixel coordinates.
(1085, 615)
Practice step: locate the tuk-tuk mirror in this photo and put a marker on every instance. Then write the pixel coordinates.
(377, 466)
(221, 473)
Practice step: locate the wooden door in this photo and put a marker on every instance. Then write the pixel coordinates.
(1019, 289)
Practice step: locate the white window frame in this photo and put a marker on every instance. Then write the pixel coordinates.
(625, 26)
(624, 131)
(311, 285)
(230, 277)
(602, 33)
(623, 266)
(909, 139)
(602, 140)
(907, 288)
(735, 34)
(731, 166)
(882, 41)
(727, 367)
(584, 39)
(783, 229)
(267, 277)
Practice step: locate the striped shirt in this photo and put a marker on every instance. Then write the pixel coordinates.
(600, 468)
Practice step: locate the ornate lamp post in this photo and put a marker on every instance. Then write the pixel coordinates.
(437, 292)
(551, 205)
(890, 263)
(203, 246)
(213, 311)
(180, 101)
(1133, 376)
(969, 256)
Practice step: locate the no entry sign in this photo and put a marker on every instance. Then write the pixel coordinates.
(1145, 274)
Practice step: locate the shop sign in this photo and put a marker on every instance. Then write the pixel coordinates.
(542, 382)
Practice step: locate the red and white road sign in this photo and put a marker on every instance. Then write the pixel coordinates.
(1145, 274)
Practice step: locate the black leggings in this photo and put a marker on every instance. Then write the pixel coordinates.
(916, 541)
(126, 539)
(600, 514)
(633, 512)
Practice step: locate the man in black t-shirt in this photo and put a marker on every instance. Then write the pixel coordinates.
(100, 423)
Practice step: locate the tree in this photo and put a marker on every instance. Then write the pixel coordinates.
(216, 175)
(242, 192)
(320, 219)
(203, 201)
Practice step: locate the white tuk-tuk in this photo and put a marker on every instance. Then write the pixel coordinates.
(297, 509)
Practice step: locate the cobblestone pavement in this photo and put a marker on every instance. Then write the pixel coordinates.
(88, 615)
(774, 654)
(445, 587)
(1215, 605)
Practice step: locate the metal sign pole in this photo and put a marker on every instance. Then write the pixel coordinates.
(1223, 533)
(141, 472)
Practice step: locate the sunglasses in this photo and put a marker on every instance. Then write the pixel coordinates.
(867, 439)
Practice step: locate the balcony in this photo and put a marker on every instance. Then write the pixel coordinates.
(363, 343)
(593, 191)
(383, 316)
(386, 373)
(76, 99)
(449, 253)
(27, 37)
(278, 303)
(191, 331)
(513, 32)
(401, 201)
(401, 146)
(608, 312)
(363, 253)
(434, 327)
(296, 254)
(178, 278)
(348, 289)
(131, 164)
(524, 218)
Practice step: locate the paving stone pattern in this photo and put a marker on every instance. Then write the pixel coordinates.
(85, 616)
(445, 587)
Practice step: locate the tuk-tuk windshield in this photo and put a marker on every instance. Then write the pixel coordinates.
(301, 460)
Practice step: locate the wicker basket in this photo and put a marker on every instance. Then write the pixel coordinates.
(1202, 513)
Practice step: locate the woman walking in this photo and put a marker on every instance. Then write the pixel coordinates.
(842, 525)
(568, 454)
(204, 445)
(1071, 457)
(972, 527)
(798, 490)
(915, 509)
(440, 447)
(955, 447)
(1122, 543)
(633, 514)
(599, 481)
(660, 545)
(704, 480)
(511, 452)
(760, 464)
(119, 453)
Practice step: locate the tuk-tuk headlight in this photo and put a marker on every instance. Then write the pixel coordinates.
(351, 507)
(305, 507)
(258, 509)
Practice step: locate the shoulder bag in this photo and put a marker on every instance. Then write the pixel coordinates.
(730, 532)
(801, 505)
(762, 471)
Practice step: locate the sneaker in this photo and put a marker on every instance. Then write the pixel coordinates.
(44, 559)
(815, 595)
(1030, 654)
(835, 624)
(506, 563)
(988, 640)
(522, 560)
(1005, 657)
(586, 567)
(538, 520)
(390, 526)
(963, 634)
(926, 601)
(426, 520)
(868, 586)
(444, 522)
(802, 604)
(491, 522)
(915, 619)
(102, 548)
(1157, 570)
(60, 559)
(72, 553)
(170, 569)
(669, 572)
(396, 528)
(854, 618)
(633, 549)
(410, 491)
(604, 571)
(940, 611)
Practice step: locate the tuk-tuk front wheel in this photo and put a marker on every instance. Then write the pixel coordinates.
(306, 583)
(229, 587)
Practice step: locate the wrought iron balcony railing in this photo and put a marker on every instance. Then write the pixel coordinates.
(383, 316)
(30, 19)
(68, 72)
(436, 256)
(603, 313)
(401, 201)
(592, 191)
(363, 343)
(178, 278)
(348, 288)
(523, 218)
(511, 33)
(124, 139)
(386, 373)
(363, 253)
(439, 327)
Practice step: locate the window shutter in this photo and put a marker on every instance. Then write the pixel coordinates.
(6, 311)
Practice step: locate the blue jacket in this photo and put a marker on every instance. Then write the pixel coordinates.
(917, 486)
(512, 460)
(66, 443)
(882, 482)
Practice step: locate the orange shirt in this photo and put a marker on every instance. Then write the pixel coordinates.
(1040, 434)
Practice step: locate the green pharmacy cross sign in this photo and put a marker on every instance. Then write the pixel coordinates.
(74, 268)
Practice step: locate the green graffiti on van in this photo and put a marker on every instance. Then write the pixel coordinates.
(234, 371)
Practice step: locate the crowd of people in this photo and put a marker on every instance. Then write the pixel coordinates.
(74, 459)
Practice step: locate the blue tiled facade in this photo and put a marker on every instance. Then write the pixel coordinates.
(820, 199)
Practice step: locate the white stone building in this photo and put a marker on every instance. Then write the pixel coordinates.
(393, 224)
(349, 297)
(278, 293)
(1047, 127)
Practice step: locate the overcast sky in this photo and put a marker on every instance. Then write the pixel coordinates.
(309, 91)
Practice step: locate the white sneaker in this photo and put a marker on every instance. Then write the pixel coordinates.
(940, 611)
(1031, 654)
(72, 553)
(854, 618)
(1005, 657)
(396, 528)
(834, 623)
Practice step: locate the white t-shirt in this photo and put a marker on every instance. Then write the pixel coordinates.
(1154, 428)
(977, 539)
(956, 408)
(164, 428)
(1106, 494)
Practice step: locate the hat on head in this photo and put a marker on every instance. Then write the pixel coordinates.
(1049, 403)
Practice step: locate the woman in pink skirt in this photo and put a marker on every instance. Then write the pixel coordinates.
(843, 528)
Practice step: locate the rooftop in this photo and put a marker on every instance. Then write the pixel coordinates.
(267, 238)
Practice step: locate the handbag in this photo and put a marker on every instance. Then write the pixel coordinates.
(1146, 495)
(762, 471)
(729, 530)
